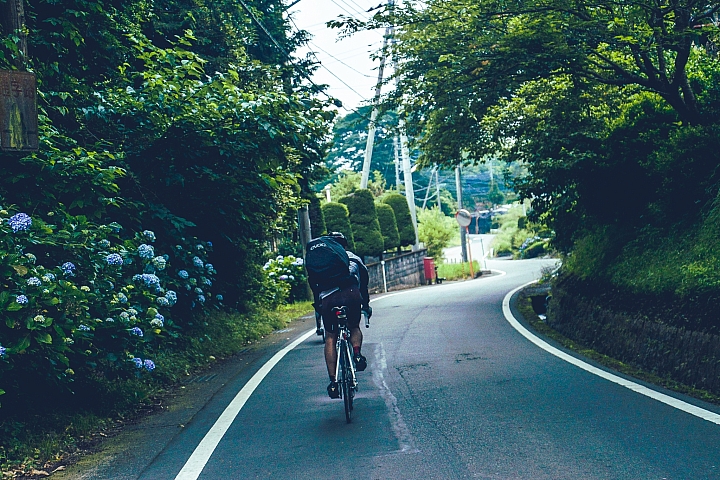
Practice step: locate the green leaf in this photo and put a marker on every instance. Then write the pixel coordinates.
(43, 338)
(14, 307)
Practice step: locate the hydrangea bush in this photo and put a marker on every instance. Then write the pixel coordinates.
(84, 299)
(286, 275)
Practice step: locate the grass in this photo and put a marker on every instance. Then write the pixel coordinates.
(544, 329)
(39, 439)
(457, 271)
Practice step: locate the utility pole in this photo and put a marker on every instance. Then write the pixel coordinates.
(458, 186)
(396, 147)
(407, 177)
(373, 116)
(437, 188)
(13, 22)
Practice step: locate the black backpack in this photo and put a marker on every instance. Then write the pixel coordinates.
(327, 264)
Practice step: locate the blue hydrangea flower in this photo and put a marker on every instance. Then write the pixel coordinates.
(104, 243)
(34, 281)
(171, 295)
(299, 262)
(150, 280)
(149, 235)
(115, 227)
(110, 320)
(136, 331)
(209, 267)
(149, 365)
(209, 244)
(84, 328)
(3, 351)
(68, 268)
(201, 298)
(157, 322)
(48, 277)
(283, 277)
(124, 316)
(137, 277)
(21, 299)
(198, 262)
(20, 222)
(198, 291)
(279, 258)
(219, 297)
(159, 262)
(31, 258)
(122, 298)
(183, 274)
(162, 301)
(138, 362)
(114, 259)
(146, 251)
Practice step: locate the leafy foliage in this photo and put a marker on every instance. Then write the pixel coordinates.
(436, 231)
(364, 222)
(388, 225)
(403, 217)
(337, 219)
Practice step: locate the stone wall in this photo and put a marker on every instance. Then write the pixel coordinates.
(402, 271)
(686, 356)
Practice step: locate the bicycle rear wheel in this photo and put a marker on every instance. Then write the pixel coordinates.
(345, 380)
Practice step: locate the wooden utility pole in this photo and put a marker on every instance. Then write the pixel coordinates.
(13, 22)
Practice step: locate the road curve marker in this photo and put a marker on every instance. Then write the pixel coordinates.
(635, 387)
(202, 453)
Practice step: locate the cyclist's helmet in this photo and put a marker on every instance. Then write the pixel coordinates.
(340, 238)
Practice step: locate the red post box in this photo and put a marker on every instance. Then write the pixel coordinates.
(429, 267)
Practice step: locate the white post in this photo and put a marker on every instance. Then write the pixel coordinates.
(382, 262)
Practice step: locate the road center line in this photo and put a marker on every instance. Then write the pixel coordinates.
(199, 458)
(660, 397)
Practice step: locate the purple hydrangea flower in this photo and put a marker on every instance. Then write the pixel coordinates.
(20, 222)
(114, 259)
(21, 299)
(283, 277)
(68, 268)
(137, 331)
(146, 251)
(138, 362)
(149, 365)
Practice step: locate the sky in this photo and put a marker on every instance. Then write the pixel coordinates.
(347, 66)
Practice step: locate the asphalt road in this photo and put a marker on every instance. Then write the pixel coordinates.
(452, 391)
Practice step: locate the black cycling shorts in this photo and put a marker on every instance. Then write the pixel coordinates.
(349, 297)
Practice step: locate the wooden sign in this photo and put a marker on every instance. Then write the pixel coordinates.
(18, 111)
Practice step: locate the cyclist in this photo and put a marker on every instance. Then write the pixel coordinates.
(353, 294)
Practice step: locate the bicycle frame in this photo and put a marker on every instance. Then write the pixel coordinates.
(343, 338)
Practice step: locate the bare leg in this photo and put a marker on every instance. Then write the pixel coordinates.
(356, 337)
(331, 354)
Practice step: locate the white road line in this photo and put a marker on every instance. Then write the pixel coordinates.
(660, 397)
(199, 458)
(399, 427)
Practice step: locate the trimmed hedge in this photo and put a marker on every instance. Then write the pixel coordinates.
(317, 219)
(388, 225)
(337, 219)
(364, 223)
(402, 218)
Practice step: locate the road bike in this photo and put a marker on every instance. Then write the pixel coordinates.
(345, 366)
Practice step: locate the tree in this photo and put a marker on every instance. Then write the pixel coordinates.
(435, 231)
(337, 219)
(317, 219)
(388, 225)
(364, 223)
(403, 218)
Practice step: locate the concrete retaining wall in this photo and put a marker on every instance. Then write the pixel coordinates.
(403, 271)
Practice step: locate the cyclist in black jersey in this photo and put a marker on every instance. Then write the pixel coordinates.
(356, 299)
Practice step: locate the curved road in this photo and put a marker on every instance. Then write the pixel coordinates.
(452, 391)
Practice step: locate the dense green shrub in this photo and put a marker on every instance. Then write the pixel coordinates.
(337, 219)
(402, 217)
(435, 231)
(81, 299)
(388, 225)
(287, 275)
(317, 219)
(364, 223)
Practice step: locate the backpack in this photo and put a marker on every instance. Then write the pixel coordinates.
(327, 264)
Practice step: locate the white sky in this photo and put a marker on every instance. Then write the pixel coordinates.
(347, 67)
